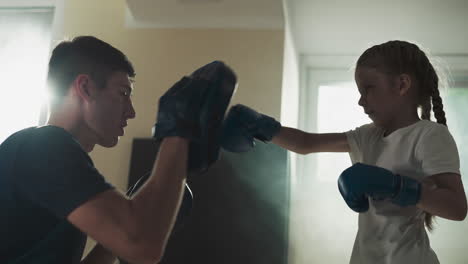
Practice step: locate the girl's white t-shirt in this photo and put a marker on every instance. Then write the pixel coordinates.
(387, 233)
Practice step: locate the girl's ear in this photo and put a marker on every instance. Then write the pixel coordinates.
(82, 86)
(404, 83)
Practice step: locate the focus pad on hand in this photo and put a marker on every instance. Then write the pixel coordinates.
(222, 83)
(179, 109)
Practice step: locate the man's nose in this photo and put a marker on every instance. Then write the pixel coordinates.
(131, 111)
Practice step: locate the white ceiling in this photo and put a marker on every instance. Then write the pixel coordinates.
(321, 27)
(27, 3)
(348, 27)
(263, 14)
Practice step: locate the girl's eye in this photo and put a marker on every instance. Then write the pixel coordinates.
(363, 90)
(367, 88)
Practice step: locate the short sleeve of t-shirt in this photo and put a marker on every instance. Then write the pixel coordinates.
(438, 151)
(357, 139)
(55, 172)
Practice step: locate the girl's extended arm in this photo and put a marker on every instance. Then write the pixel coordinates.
(303, 143)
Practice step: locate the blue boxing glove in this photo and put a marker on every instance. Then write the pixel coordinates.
(361, 181)
(242, 125)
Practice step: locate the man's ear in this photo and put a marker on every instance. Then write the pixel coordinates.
(82, 86)
(404, 83)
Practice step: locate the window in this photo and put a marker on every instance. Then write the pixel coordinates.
(448, 239)
(338, 111)
(25, 39)
(329, 103)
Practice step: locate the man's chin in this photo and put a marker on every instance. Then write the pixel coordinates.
(109, 143)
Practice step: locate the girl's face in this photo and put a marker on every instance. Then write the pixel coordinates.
(379, 95)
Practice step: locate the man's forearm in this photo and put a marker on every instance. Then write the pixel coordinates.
(157, 202)
(99, 255)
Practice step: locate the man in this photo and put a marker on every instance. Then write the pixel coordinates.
(52, 196)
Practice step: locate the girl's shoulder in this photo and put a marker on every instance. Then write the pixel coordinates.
(430, 127)
(434, 134)
(368, 129)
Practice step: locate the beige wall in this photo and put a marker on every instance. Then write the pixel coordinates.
(162, 56)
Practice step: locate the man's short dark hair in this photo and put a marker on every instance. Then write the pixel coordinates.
(84, 55)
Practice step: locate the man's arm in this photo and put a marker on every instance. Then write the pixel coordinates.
(137, 230)
(99, 255)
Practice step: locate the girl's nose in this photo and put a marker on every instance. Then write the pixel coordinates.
(361, 101)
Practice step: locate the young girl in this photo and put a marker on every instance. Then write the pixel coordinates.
(406, 168)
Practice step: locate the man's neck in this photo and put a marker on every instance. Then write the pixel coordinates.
(74, 126)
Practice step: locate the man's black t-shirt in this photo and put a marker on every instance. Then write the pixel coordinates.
(44, 176)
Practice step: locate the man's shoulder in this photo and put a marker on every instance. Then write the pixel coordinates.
(48, 138)
(39, 133)
(36, 143)
(53, 133)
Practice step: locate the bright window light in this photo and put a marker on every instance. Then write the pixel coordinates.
(25, 38)
(449, 240)
(338, 111)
